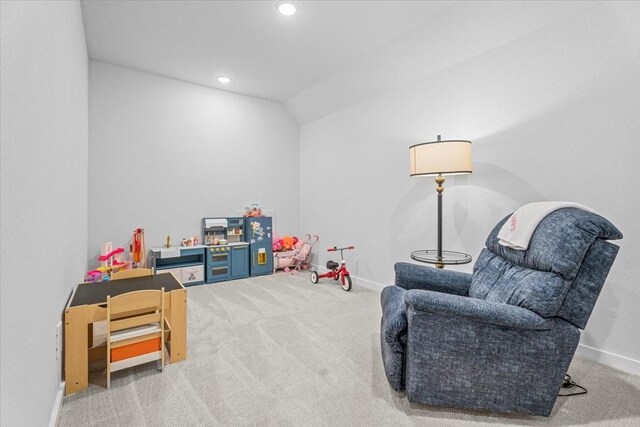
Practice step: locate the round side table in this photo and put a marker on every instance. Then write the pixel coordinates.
(430, 256)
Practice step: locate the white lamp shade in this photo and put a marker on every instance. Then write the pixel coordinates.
(451, 157)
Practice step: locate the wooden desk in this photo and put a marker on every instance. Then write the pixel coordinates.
(88, 304)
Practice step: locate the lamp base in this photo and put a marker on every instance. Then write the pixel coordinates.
(430, 256)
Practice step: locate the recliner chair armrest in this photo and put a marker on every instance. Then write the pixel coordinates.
(394, 316)
(413, 276)
(476, 310)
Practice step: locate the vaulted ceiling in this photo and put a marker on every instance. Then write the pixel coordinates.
(267, 55)
(329, 55)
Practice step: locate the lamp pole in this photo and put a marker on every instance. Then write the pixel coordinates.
(439, 189)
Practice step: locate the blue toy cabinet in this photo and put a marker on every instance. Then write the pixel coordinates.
(239, 261)
(186, 263)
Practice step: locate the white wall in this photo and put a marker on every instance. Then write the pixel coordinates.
(44, 84)
(553, 115)
(163, 154)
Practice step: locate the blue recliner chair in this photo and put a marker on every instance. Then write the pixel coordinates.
(502, 338)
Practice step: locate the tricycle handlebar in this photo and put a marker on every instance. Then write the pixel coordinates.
(335, 248)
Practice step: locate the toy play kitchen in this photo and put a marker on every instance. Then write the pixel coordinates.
(227, 253)
(234, 248)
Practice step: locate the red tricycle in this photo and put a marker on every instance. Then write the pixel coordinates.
(336, 271)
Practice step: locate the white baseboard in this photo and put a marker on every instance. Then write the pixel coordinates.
(57, 405)
(609, 359)
(368, 284)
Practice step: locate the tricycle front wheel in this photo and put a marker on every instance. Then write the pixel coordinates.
(346, 283)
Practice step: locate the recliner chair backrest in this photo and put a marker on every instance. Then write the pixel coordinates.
(583, 293)
(560, 274)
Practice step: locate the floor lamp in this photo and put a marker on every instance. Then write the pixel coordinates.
(439, 158)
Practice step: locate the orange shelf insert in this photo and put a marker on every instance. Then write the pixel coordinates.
(136, 349)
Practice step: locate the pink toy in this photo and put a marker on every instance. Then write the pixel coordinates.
(298, 257)
(110, 254)
(93, 276)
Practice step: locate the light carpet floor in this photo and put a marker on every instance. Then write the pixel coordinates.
(280, 351)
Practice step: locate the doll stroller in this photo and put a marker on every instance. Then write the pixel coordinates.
(297, 259)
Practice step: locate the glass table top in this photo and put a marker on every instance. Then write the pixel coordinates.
(448, 257)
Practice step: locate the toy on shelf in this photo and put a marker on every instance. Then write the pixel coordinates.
(253, 210)
(138, 248)
(110, 260)
(191, 241)
(115, 267)
(93, 276)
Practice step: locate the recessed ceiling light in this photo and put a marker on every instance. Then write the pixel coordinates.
(224, 79)
(286, 8)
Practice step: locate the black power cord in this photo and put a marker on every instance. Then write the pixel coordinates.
(569, 383)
